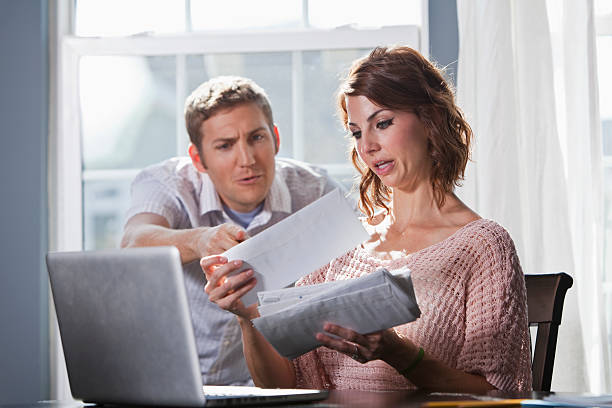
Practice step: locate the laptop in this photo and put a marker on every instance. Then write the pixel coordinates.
(126, 332)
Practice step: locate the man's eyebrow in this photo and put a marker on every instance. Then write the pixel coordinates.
(369, 117)
(258, 130)
(225, 140)
(234, 138)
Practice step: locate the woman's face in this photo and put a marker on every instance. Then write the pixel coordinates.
(392, 143)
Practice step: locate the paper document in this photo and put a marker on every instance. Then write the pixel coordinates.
(299, 244)
(574, 400)
(291, 317)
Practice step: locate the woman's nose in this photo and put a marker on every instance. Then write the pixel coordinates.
(369, 144)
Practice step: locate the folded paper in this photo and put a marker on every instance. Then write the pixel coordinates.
(299, 244)
(291, 317)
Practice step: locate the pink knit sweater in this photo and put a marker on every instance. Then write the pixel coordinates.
(471, 292)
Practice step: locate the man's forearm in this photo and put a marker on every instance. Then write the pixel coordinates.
(185, 240)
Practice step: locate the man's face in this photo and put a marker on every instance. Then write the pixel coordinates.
(238, 149)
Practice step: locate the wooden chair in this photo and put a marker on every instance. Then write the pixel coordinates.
(545, 296)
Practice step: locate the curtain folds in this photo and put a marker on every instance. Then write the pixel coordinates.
(527, 83)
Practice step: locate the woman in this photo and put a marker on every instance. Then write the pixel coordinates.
(411, 146)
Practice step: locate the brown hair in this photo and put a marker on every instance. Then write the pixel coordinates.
(220, 93)
(399, 78)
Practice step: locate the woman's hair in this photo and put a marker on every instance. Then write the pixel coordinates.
(399, 78)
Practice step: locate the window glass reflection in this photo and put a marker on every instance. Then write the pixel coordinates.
(271, 71)
(96, 18)
(245, 14)
(127, 111)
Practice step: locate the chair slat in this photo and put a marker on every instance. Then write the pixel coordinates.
(545, 297)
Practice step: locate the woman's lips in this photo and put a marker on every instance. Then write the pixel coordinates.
(383, 167)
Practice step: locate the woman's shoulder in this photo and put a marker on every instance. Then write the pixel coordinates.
(485, 227)
(486, 230)
(488, 237)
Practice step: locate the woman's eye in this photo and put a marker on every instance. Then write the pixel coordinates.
(356, 134)
(383, 124)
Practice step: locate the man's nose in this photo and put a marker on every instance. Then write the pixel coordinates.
(246, 156)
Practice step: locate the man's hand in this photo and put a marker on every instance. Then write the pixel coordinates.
(148, 229)
(216, 240)
(225, 291)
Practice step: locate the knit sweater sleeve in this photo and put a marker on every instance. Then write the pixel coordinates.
(496, 334)
(309, 371)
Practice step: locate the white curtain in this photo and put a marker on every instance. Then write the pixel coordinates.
(527, 83)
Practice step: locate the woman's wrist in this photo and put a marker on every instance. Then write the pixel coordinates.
(413, 364)
(403, 355)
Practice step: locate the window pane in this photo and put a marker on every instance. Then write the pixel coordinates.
(105, 203)
(271, 71)
(608, 224)
(127, 110)
(329, 14)
(245, 14)
(607, 251)
(608, 307)
(325, 138)
(125, 17)
(128, 17)
(602, 7)
(604, 68)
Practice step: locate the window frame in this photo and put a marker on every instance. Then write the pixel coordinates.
(66, 174)
(68, 149)
(603, 28)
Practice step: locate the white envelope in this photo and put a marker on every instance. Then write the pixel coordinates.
(274, 300)
(371, 303)
(299, 244)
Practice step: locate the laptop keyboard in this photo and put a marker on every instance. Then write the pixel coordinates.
(218, 391)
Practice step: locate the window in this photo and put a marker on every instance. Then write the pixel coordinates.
(603, 24)
(126, 74)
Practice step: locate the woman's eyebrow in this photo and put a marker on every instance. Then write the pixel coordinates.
(369, 117)
(374, 114)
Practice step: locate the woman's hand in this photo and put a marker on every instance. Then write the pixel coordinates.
(225, 291)
(360, 347)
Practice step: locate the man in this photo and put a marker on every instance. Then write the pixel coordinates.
(232, 187)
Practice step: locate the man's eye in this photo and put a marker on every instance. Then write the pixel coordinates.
(223, 146)
(258, 136)
(383, 124)
(356, 134)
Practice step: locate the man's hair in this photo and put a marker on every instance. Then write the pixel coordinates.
(221, 93)
(399, 78)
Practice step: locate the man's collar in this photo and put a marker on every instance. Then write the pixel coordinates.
(209, 199)
(277, 200)
(279, 196)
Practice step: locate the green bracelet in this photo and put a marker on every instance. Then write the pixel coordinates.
(415, 363)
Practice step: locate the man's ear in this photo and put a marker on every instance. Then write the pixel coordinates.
(276, 138)
(196, 159)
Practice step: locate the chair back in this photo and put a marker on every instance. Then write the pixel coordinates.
(545, 296)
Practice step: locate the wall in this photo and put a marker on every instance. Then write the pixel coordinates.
(24, 333)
